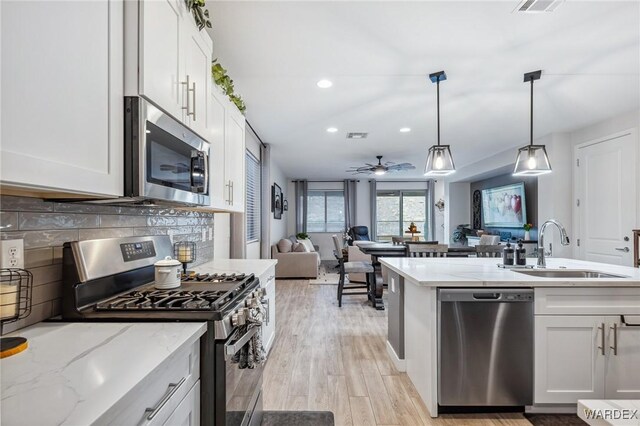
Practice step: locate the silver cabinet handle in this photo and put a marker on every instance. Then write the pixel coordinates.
(186, 83)
(232, 195)
(624, 249)
(601, 329)
(228, 186)
(614, 329)
(172, 389)
(193, 90)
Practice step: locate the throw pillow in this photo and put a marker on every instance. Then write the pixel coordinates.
(308, 244)
(284, 245)
(299, 248)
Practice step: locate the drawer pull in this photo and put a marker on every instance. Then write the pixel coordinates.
(614, 330)
(172, 389)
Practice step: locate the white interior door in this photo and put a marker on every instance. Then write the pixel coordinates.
(606, 185)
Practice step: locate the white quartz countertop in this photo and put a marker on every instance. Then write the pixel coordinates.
(600, 412)
(72, 373)
(481, 272)
(238, 266)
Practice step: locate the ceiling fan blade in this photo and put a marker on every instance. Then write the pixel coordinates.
(403, 166)
(370, 165)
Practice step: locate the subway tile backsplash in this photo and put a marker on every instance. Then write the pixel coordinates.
(45, 226)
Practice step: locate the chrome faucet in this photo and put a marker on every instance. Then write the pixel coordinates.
(564, 240)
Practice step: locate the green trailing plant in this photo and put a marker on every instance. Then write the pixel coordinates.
(200, 14)
(302, 236)
(222, 79)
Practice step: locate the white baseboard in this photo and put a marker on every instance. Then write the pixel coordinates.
(397, 362)
(551, 409)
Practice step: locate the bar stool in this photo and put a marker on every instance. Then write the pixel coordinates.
(427, 250)
(352, 268)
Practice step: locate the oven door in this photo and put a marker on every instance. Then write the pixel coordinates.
(238, 391)
(170, 163)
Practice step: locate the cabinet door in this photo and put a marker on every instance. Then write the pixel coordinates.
(235, 157)
(187, 413)
(268, 281)
(623, 364)
(218, 185)
(197, 69)
(161, 72)
(569, 365)
(62, 88)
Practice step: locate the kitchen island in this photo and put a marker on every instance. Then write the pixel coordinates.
(578, 321)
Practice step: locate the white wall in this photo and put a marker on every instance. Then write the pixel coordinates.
(279, 227)
(457, 207)
(438, 193)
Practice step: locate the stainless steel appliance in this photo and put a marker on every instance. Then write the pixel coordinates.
(112, 280)
(165, 161)
(485, 347)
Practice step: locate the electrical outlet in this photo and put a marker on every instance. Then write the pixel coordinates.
(210, 233)
(12, 254)
(204, 234)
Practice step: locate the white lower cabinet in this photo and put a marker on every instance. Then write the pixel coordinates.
(585, 357)
(268, 282)
(188, 412)
(170, 395)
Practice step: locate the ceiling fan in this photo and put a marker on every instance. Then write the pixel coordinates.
(380, 169)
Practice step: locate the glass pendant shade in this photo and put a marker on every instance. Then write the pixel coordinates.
(532, 161)
(439, 161)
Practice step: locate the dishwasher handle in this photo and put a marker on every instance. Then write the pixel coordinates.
(487, 296)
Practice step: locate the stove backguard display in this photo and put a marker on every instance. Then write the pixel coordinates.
(137, 250)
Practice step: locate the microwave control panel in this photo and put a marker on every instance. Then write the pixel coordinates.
(137, 251)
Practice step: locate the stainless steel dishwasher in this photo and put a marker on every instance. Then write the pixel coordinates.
(485, 353)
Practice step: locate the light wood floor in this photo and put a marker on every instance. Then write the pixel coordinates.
(330, 358)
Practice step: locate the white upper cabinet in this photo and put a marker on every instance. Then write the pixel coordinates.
(169, 60)
(62, 96)
(227, 136)
(234, 152)
(197, 49)
(161, 68)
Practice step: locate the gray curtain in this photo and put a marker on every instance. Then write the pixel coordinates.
(373, 231)
(301, 188)
(265, 201)
(431, 215)
(350, 188)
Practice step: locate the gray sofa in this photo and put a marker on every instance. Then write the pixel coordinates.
(296, 264)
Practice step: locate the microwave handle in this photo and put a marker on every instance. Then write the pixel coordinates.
(200, 158)
(206, 173)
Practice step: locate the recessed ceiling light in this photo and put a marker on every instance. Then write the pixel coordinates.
(332, 130)
(324, 84)
(405, 130)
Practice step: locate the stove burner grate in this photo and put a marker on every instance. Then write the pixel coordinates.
(167, 300)
(214, 278)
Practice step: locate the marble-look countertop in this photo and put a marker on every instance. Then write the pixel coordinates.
(484, 272)
(242, 266)
(601, 412)
(72, 373)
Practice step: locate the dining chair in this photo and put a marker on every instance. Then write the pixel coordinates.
(494, 250)
(352, 268)
(427, 250)
(397, 241)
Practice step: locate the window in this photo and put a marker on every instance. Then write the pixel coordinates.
(395, 210)
(325, 211)
(253, 198)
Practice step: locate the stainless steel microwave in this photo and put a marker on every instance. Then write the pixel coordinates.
(165, 161)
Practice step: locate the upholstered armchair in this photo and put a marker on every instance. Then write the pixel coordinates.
(358, 233)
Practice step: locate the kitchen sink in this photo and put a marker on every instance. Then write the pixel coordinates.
(567, 273)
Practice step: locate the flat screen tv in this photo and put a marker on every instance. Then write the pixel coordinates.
(504, 206)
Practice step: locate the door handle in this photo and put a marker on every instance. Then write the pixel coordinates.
(601, 329)
(623, 249)
(614, 329)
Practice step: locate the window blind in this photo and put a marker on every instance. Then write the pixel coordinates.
(253, 198)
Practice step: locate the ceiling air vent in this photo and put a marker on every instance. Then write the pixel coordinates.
(357, 135)
(534, 6)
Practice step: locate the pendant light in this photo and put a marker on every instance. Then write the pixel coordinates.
(439, 159)
(532, 159)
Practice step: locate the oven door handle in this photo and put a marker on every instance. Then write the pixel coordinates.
(231, 348)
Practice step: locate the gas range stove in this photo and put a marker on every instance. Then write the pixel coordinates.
(112, 280)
